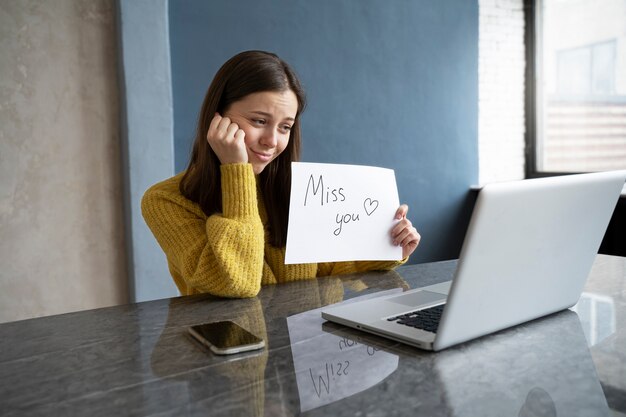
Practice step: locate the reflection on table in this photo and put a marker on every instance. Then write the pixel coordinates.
(139, 359)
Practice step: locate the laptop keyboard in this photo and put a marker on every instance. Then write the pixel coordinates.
(426, 319)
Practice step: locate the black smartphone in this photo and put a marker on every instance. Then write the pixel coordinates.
(226, 337)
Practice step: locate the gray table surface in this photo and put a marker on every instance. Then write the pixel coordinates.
(138, 359)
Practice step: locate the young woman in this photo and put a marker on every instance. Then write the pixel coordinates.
(222, 223)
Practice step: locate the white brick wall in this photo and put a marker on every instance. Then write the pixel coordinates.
(501, 65)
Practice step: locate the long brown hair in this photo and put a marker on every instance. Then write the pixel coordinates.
(245, 73)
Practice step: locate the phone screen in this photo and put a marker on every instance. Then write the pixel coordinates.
(225, 337)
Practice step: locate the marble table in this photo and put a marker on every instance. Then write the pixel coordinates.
(138, 359)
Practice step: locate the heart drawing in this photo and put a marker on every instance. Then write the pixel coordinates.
(370, 206)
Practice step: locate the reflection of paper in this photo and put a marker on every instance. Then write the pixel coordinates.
(341, 213)
(328, 367)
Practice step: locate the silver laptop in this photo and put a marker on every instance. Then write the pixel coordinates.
(527, 252)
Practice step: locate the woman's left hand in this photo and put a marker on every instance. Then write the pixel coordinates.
(404, 234)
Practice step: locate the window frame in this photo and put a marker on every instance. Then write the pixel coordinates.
(530, 94)
(532, 81)
(532, 85)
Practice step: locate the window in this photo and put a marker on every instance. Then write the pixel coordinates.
(586, 70)
(576, 86)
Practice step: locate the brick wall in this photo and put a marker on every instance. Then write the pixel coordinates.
(501, 65)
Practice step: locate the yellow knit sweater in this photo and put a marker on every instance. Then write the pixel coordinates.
(227, 254)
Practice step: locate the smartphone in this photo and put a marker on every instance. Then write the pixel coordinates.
(226, 337)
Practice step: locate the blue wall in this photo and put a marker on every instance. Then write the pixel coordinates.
(146, 136)
(391, 84)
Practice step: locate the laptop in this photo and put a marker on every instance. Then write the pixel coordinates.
(527, 253)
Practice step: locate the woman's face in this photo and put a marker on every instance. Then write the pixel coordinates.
(266, 118)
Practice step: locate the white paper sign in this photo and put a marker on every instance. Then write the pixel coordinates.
(341, 213)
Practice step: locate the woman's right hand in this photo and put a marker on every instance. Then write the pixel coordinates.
(227, 140)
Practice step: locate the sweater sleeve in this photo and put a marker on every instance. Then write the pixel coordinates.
(222, 254)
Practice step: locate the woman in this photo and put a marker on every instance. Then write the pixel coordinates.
(222, 223)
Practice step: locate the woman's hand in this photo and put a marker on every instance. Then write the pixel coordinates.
(404, 234)
(227, 140)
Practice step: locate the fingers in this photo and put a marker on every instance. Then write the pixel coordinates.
(222, 129)
(408, 240)
(404, 234)
(227, 140)
(408, 249)
(231, 129)
(214, 123)
(240, 136)
(402, 211)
